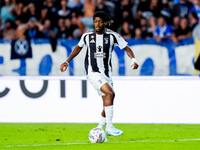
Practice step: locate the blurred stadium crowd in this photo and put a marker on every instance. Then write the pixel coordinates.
(159, 19)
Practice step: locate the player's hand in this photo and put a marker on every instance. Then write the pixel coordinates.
(64, 66)
(134, 63)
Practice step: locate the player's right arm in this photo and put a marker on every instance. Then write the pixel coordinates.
(74, 53)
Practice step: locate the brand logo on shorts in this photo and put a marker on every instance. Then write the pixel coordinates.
(99, 81)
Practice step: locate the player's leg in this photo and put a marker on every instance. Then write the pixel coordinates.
(108, 98)
(103, 85)
(108, 102)
(108, 105)
(94, 79)
(102, 121)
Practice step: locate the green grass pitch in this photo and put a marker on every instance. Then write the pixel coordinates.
(61, 136)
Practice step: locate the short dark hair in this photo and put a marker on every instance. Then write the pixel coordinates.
(106, 18)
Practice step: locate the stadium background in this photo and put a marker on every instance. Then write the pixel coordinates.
(29, 65)
(44, 33)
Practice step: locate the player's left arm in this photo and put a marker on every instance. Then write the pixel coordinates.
(130, 53)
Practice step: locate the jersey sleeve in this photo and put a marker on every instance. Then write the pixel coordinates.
(119, 41)
(82, 42)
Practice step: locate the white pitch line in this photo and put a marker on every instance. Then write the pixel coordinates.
(154, 141)
(61, 144)
(35, 145)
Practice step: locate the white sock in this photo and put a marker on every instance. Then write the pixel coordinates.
(102, 122)
(109, 115)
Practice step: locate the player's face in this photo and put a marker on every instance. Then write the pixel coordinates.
(98, 24)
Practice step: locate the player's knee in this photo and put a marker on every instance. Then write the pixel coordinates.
(110, 94)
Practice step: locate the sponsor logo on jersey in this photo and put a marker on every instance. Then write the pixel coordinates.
(99, 53)
(99, 48)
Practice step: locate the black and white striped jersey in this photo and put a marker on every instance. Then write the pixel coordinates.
(99, 50)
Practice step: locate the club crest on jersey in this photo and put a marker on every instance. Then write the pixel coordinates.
(92, 41)
(106, 40)
(92, 36)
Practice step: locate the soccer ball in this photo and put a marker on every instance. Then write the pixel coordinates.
(97, 135)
